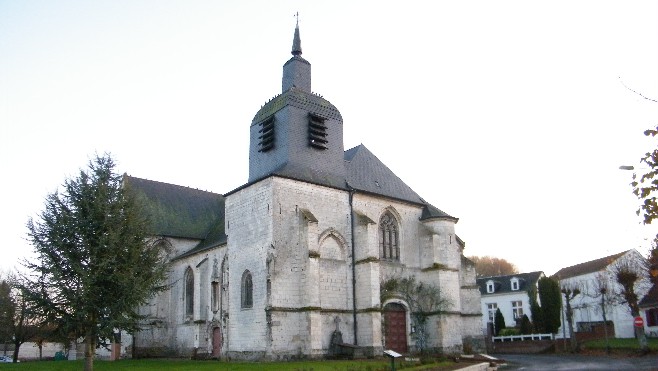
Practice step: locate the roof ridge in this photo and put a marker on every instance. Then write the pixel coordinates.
(594, 263)
(171, 184)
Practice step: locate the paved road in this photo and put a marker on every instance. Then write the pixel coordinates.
(577, 362)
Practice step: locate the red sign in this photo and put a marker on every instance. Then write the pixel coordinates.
(638, 322)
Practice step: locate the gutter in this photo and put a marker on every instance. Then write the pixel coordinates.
(351, 195)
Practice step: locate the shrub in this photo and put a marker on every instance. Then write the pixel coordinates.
(509, 332)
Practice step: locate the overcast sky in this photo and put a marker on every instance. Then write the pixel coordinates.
(513, 116)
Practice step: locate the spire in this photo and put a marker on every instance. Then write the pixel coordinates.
(297, 71)
(296, 41)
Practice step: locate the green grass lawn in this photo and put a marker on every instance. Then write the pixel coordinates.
(620, 344)
(187, 365)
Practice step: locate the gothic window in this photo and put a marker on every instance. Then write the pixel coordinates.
(266, 137)
(189, 292)
(247, 290)
(317, 132)
(389, 248)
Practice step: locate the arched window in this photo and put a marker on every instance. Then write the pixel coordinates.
(189, 292)
(389, 248)
(247, 290)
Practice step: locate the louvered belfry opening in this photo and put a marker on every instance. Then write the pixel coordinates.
(266, 137)
(317, 132)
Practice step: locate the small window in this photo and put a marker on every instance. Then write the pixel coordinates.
(189, 292)
(491, 310)
(317, 132)
(247, 290)
(215, 296)
(652, 317)
(490, 287)
(517, 309)
(515, 284)
(266, 137)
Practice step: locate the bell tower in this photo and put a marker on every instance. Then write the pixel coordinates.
(298, 133)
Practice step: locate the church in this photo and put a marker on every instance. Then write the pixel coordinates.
(291, 264)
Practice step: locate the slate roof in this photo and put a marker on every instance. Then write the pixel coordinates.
(588, 267)
(301, 99)
(366, 173)
(182, 212)
(650, 300)
(503, 284)
(307, 174)
(191, 213)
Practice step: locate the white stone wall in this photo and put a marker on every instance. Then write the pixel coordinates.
(250, 238)
(295, 240)
(312, 262)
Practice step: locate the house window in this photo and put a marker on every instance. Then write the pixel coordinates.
(515, 284)
(517, 309)
(490, 287)
(215, 296)
(388, 238)
(189, 292)
(491, 309)
(652, 317)
(266, 137)
(247, 290)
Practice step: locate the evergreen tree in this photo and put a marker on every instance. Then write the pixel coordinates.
(551, 303)
(6, 313)
(536, 312)
(526, 325)
(499, 321)
(94, 262)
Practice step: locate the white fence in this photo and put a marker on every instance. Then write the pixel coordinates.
(522, 337)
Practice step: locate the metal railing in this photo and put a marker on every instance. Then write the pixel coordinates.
(522, 337)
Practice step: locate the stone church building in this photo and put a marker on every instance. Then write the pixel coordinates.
(281, 265)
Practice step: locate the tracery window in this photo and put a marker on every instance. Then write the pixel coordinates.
(247, 290)
(389, 248)
(189, 292)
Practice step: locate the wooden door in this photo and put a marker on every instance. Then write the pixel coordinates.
(395, 328)
(216, 341)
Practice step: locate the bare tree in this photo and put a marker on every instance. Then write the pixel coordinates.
(487, 266)
(570, 290)
(18, 314)
(602, 289)
(632, 277)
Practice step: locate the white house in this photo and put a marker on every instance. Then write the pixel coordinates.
(589, 278)
(508, 293)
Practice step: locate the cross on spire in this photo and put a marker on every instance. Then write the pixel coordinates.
(296, 41)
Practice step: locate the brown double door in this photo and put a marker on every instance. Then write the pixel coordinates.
(395, 328)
